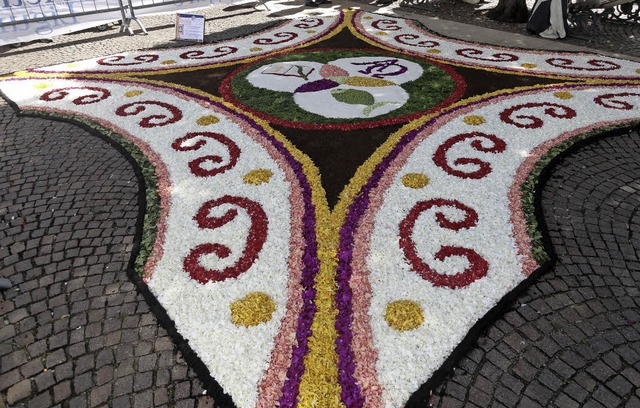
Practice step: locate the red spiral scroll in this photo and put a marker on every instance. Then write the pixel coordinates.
(533, 122)
(255, 240)
(478, 266)
(61, 93)
(132, 109)
(196, 165)
(482, 168)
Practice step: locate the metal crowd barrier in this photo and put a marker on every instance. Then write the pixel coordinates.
(28, 20)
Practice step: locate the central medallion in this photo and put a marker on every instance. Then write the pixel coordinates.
(328, 88)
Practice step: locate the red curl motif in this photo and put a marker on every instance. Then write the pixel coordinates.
(386, 25)
(255, 239)
(196, 165)
(219, 52)
(478, 266)
(151, 120)
(595, 65)
(609, 101)
(61, 93)
(139, 60)
(483, 168)
(285, 37)
(532, 122)
(476, 54)
(403, 38)
(309, 23)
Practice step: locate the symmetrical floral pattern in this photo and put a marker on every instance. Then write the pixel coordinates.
(291, 303)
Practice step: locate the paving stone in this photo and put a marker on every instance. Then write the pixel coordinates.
(44, 380)
(32, 368)
(99, 395)
(142, 381)
(9, 378)
(143, 399)
(123, 385)
(40, 401)
(19, 392)
(61, 391)
(82, 382)
(13, 360)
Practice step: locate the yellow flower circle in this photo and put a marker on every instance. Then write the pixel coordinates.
(434, 51)
(474, 120)
(41, 86)
(257, 177)
(368, 18)
(168, 62)
(563, 95)
(404, 315)
(381, 33)
(255, 49)
(253, 309)
(415, 180)
(311, 31)
(638, 71)
(73, 65)
(527, 65)
(131, 94)
(207, 120)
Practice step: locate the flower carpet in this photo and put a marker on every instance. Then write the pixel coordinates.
(335, 206)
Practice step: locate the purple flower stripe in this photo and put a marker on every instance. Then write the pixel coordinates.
(351, 392)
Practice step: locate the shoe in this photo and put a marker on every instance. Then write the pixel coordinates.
(383, 2)
(312, 5)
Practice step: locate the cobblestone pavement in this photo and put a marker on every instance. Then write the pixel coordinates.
(75, 333)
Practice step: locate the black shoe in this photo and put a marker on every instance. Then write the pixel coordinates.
(312, 5)
(383, 2)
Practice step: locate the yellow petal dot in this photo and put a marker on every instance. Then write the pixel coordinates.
(381, 33)
(257, 177)
(253, 309)
(168, 62)
(73, 65)
(311, 31)
(404, 315)
(41, 86)
(415, 180)
(434, 51)
(207, 120)
(474, 120)
(131, 94)
(563, 95)
(255, 49)
(368, 18)
(527, 65)
(638, 71)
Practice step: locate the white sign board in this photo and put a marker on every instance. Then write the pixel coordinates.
(190, 27)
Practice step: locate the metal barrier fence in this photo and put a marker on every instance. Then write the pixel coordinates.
(28, 20)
